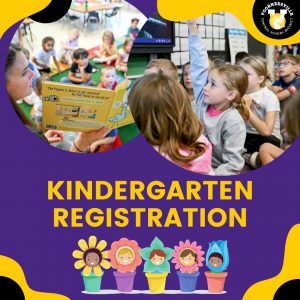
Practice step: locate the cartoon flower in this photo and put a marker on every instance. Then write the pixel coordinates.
(188, 257)
(217, 256)
(92, 257)
(124, 255)
(156, 257)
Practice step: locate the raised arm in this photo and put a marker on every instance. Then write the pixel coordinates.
(199, 61)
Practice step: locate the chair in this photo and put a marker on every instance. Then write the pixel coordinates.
(93, 17)
(71, 19)
(112, 12)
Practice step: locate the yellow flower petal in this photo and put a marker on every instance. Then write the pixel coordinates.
(83, 245)
(92, 241)
(98, 271)
(105, 254)
(101, 245)
(105, 264)
(77, 254)
(87, 271)
(79, 264)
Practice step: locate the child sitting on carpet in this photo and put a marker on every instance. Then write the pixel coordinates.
(81, 70)
(108, 78)
(291, 120)
(108, 50)
(121, 63)
(69, 46)
(42, 56)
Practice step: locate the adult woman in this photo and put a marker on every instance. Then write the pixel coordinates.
(19, 85)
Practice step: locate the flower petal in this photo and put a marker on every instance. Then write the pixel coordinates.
(105, 264)
(98, 271)
(79, 264)
(87, 271)
(83, 245)
(101, 245)
(92, 241)
(105, 254)
(77, 254)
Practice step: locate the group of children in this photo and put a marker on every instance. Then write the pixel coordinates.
(237, 117)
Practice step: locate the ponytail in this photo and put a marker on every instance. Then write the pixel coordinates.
(243, 109)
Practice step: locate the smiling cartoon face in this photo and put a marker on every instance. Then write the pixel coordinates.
(187, 260)
(125, 256)
(92, 259)
(157, 257)
(157, 260)
(216, 260)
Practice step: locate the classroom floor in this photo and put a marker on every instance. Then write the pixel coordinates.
(90, 36)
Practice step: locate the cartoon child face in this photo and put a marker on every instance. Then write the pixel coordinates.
(125, 257)
(215, 261)
(187, 260)
(157, 260)
(92, 259)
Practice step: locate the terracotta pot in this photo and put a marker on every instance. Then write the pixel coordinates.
(215, 281)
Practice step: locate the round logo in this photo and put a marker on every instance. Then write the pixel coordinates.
(276, 19)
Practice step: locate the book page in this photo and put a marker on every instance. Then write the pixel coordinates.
(120, 114)
(75, 108)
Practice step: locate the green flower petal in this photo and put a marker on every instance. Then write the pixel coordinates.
(149, 266)
(145, 253)
(157, 244)
(168, 252)
(164, 267)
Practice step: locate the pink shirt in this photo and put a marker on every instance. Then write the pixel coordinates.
(202, 164)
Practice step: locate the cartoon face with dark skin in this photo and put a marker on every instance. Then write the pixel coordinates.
(187, 257)
(125, 256)
(216, 260)
(157, 257)
(92, 257)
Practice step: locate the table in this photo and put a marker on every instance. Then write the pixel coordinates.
(93, 5)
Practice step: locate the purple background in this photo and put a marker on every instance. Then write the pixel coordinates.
(45, 253)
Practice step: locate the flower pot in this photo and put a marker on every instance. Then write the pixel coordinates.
(215, 281)
(92, 283)
(124, 281)
(156, 282)
(188, 281)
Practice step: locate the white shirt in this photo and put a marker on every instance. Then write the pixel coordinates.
(265, 101)
(43, 57)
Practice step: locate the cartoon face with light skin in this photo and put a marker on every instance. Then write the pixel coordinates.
(157, 257)
(125, 256)
(216, 260)
(92, 257)
(187, 257)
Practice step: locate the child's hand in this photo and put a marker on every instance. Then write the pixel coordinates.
(54, 136)
(276, 89)
(193, 29)
(248, 100)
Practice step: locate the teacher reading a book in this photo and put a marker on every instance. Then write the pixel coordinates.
(19, 85)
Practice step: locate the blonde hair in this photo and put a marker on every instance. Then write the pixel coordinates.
(166, 66)
(125, 250)
(259, 65)
(235, 79)
(291, 117)
(110, 35)
(108, 68)
(163, 112)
